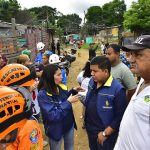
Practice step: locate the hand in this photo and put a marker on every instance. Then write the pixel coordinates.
(101, 138)
(33, 86)
(39, 74)
(73, 99)
(78, 89)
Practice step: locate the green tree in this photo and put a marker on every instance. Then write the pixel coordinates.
(69, 23)
(113, 12)
(26, 17)
(94, 19)
(8, 9)
(58, 31)
(45, 13)
(137, 18)
(94, 15)
(110, 14)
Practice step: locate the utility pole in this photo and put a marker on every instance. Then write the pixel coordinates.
(13, 21)
(84, 17)
(47, 19)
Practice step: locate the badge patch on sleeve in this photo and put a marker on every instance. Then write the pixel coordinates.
(34, 136)
(147, 98)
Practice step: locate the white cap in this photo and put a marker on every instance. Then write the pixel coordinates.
(40, 46)
(53, 59)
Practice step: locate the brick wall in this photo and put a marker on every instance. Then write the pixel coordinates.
(10, 45)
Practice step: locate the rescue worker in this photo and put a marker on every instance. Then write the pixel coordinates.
(41, 49)
(17, 74)
(18, 130)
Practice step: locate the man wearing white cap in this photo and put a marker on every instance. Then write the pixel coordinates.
(41, 49)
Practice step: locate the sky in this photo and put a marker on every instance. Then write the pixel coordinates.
(68, 6)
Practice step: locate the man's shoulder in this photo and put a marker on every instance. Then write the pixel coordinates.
(91, 82)
(124, 67)
(114, 88)
(121, 66)
(116, 84)
(29, 125)
(120, 70)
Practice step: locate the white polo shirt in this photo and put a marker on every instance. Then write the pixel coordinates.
(134, 131)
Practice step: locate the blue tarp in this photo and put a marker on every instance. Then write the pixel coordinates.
(89, 40)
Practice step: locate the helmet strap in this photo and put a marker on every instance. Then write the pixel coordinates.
(15, 119)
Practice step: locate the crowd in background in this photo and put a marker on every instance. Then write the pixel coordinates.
(107, 89)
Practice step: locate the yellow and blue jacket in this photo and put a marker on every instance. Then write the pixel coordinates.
(111, 102)
(56, 112)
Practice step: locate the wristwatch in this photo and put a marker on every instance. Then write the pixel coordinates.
(104, 134)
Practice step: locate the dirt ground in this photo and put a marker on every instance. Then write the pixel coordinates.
(81, 142)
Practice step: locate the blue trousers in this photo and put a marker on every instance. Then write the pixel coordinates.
(68, 141)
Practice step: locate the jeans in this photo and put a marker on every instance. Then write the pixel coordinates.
(68, 141)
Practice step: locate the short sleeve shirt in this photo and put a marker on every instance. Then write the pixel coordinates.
(80, 77)
(134, 131)
(123, 74)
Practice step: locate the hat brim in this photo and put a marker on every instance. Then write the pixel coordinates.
(128, 48)
(56, 62)
(28, 83)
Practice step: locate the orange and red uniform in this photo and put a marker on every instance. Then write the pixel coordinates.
(29, 137)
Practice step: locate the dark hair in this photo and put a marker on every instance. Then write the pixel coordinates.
(32, 70)
(47, 79)
(87, 70)
(24, 46)
(106, 45)
(115, 47)
(47, 55)
(102, 62)
(91, 44)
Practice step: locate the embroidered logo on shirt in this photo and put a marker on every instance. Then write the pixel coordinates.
(147, 98)
(107, 105)
(34, 136)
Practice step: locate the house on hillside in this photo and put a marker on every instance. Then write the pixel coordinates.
(108, 35)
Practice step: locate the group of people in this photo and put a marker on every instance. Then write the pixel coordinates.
(55, 47)
(116, 111)
(24, 86)
(107, 99)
